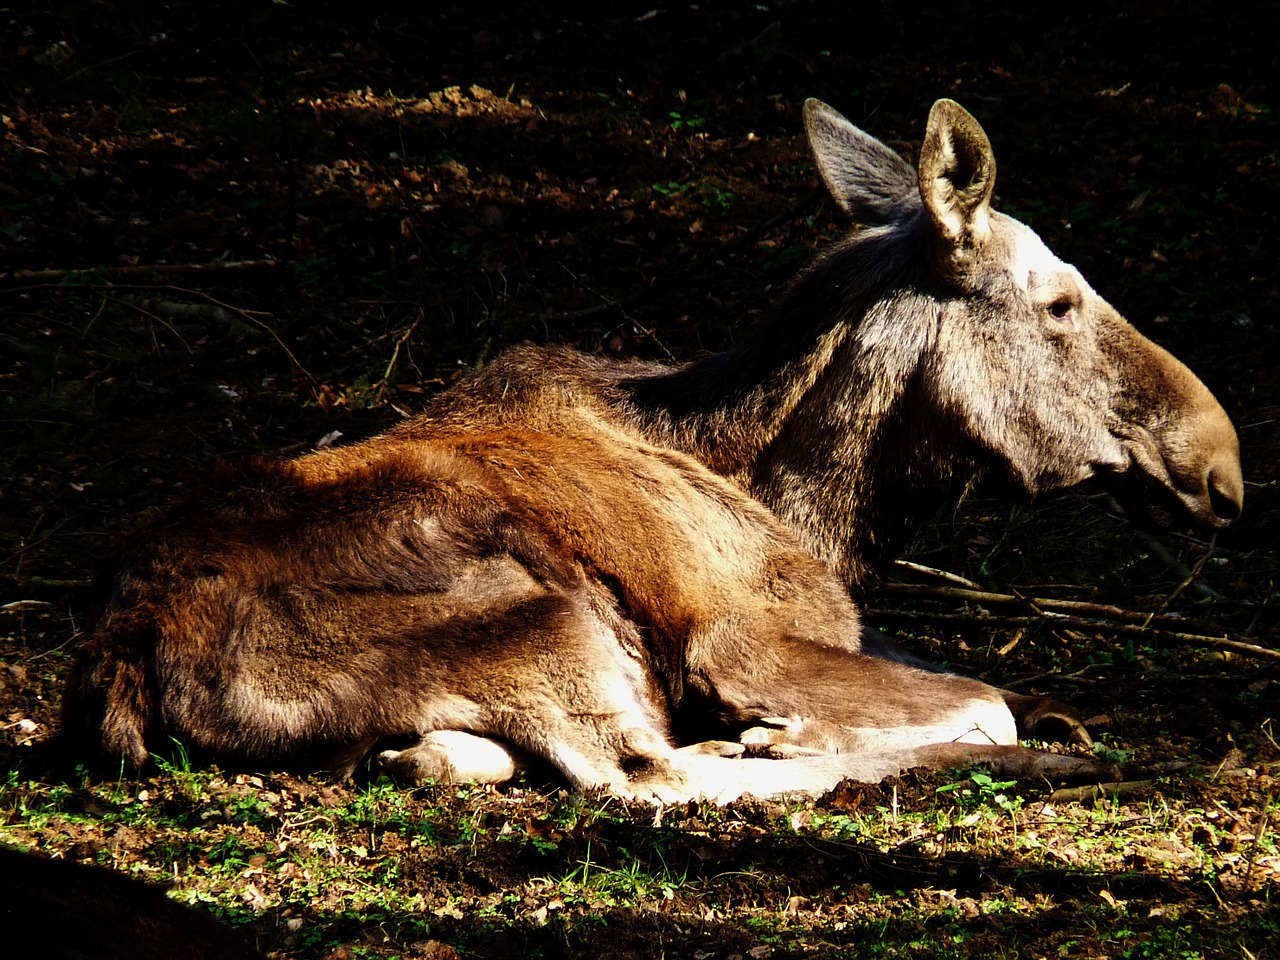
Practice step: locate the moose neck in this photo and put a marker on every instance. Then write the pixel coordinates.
(823, 414)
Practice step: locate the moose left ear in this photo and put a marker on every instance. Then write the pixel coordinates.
(869, 181)
(957, 172)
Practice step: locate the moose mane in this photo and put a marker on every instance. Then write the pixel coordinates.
(814, 413)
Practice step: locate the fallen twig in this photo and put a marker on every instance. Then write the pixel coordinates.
(1190, 575)
(1231, 768)
(55, 583)
(1093, 792)
(1060, 620)
(1264, 819)
(935, 572)
(202, 270)
(24, 605)
(381, 390)
(988, 598)
(1076, 675)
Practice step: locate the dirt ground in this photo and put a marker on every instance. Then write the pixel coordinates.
(249, 227)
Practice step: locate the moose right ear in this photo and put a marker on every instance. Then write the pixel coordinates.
(957, 175)
(869, 181)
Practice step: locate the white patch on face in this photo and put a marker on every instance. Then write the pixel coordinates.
(1031, 258)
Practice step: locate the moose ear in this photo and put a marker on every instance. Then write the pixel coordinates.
(869, 181)
(957, 174)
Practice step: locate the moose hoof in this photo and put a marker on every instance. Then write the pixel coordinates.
(713, 748)
(757, 737)
(782, 738)
(415, 765)
(657, 790)
(772, 730)
(452, 756)
(1043, 718)
(788, 751)
(773, 743)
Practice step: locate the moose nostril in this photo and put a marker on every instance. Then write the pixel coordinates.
(1225, 495)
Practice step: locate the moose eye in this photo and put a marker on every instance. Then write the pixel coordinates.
(1061, 310)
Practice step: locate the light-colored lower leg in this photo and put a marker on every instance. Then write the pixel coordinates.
(976, 720)
(454, 756)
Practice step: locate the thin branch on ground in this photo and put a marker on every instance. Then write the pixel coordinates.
(1232, 768)
(1045, 605)
(1257, 615)
(1075, 675)
(158, 319)
(1092, 792)
(1067, 621)
(139, 270)
(381, 391)
(935, 572)
(1190, 578)
(1264, 820)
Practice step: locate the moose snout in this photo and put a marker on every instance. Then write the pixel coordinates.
(1203, 460)
(1225, 486)
(1181, 446)
(1174, 476)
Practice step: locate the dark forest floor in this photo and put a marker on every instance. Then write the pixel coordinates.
(251, 227)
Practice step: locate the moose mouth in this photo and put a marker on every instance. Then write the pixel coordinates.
(1154, 502)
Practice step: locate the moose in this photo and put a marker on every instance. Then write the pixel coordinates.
(643, 574)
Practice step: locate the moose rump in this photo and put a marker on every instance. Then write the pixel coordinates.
(639, 573)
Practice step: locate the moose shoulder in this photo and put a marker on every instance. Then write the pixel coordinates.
(591, 563)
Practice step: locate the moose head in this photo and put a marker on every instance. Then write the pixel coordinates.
(958, 344)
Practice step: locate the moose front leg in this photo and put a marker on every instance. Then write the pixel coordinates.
(799, 698)
(1020, 763)
(829, 699)
(1038, 718)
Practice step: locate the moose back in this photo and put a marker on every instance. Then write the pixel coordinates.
(640, 574)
